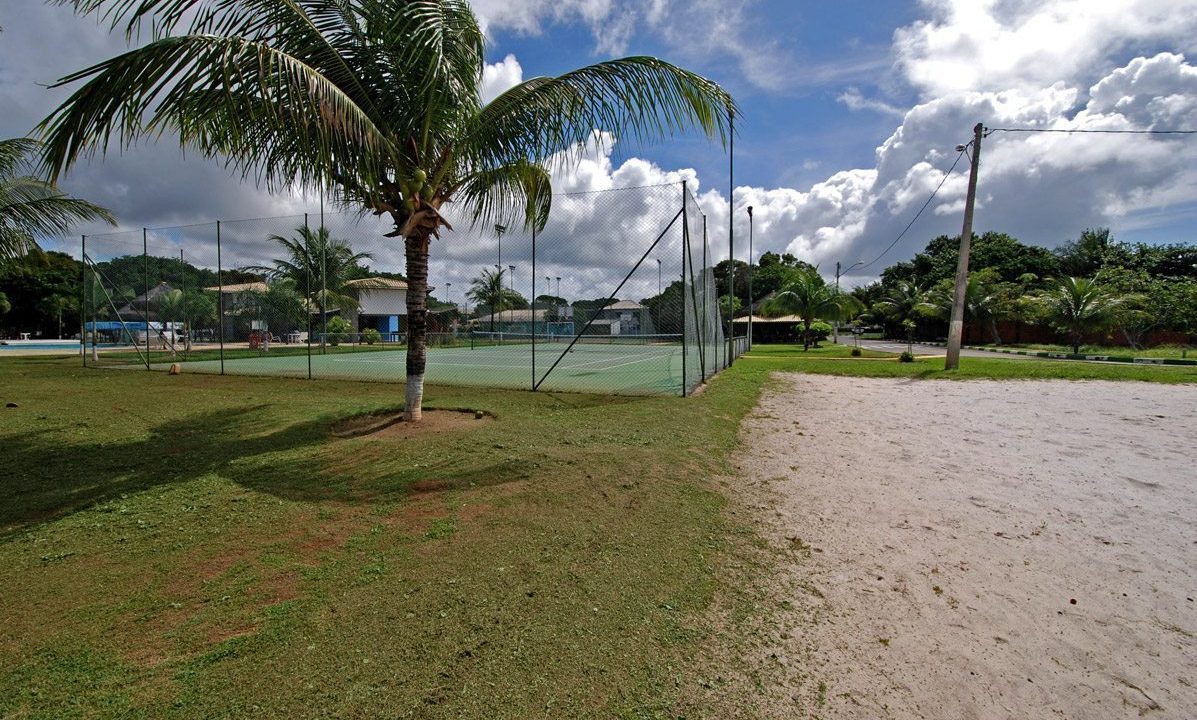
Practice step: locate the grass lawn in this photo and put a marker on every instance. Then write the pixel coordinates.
(203, 546)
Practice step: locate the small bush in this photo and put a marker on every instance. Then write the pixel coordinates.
(338, 327)
(371, 336)
(819, 331)
(906, 357)
(856, 352)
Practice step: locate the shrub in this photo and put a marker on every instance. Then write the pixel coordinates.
(819, 331)
(906, 357)
(338, 327)
(856, 352)
(371, 336)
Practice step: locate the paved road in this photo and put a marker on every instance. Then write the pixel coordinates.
(920, 349)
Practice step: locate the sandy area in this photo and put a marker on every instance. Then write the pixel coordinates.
(980, 549)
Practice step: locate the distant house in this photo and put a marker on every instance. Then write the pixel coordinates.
(511, 321)
(622, 318)
(382, 304)
(784, 329)
(240, 300)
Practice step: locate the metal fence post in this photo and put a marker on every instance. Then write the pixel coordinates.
(145, 255)
(660, 299)
(308, 295)
(220, 297)
(83, 298)
(533, 308)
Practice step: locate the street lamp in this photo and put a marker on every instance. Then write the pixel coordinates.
(839, 272)
(750, 274)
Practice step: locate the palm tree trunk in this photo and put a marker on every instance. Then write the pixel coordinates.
(417, 325)
(805, 334)
(997, 337)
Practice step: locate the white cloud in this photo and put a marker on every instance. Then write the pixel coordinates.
(855, 100)
(693, 29)
(501, 77)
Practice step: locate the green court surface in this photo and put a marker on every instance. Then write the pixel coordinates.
(641, 369)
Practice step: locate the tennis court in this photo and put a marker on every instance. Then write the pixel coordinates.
(645, 365)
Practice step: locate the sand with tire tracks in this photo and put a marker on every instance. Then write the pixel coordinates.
(980, 549)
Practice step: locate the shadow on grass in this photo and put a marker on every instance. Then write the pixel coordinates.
(42, 480)
(48, 480)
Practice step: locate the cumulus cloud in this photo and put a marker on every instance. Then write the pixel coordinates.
(693, 30)
(500, 77)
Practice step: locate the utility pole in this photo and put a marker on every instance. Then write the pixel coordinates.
(956, 326)
(836, 332)
(838, 274)
(750, 274)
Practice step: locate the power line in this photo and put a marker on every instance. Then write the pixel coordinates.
(1094, 132)
(910, 224)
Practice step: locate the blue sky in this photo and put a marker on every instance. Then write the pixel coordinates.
(850, 109)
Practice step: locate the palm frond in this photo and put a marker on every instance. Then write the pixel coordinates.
(640, 98)
(502, 194)
(263, 109)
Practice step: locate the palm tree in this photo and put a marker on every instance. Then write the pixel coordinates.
(375, 102)
(810, 297)
(488, 290)
(30, 206)
(983, 302)
(904, 303)
(1077, 306)
(320, 263)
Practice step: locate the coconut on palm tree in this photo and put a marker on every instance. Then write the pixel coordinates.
(376, 102)
(30, 206)
(810, 297)
(1077, 306)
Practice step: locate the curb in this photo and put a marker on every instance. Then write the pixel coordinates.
(1124, 359)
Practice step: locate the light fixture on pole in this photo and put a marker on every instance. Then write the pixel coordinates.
(839, 272)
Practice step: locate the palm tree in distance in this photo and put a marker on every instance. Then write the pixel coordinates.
(30, 206)
(904, 304)
(1077, 306)
(488, 290)
(316, 261)
(375, 102)
(810, 297)
(983, 303)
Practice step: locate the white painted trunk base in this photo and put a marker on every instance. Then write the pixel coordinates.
(412, 407)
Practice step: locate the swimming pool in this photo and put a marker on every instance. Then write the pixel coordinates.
(65, 346)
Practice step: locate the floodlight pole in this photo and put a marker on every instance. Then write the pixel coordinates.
(750, 273)
(511, 284)
(956, 326)
(731, 247)
(499, 230)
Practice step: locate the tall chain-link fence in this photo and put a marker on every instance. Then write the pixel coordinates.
(616, 295)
